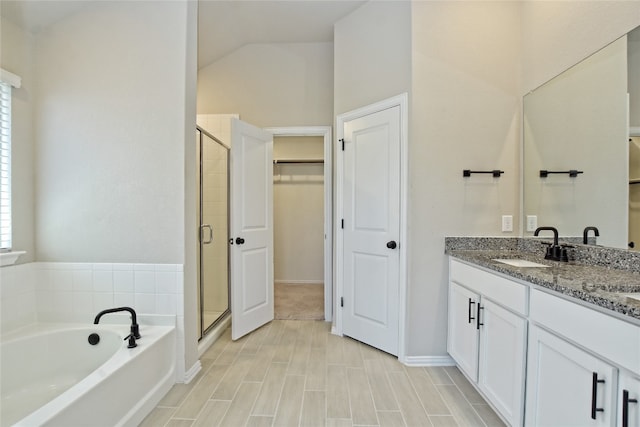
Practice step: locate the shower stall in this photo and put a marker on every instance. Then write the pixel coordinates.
(213, 260)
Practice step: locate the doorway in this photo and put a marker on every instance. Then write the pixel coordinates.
(298, 188)
(303, 166)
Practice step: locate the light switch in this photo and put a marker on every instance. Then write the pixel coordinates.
(532, 222)
(507, 223)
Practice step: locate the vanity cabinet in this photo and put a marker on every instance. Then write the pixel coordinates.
(580, 361)
(487, 335)
(567, 386)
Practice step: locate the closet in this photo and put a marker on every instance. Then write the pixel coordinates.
(298, 173)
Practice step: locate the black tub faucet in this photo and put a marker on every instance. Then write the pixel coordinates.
(585, 239)
(135, 330)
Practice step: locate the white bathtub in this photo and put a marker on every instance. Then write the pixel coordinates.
(52, 376)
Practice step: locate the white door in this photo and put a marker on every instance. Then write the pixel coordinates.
(567, 386)
(371, 214)
(503, 342)
(251, 224)
(462, 338)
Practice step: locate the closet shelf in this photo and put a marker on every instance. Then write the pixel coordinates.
(292, 161)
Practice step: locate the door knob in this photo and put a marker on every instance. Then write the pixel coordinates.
(392, 244)
(239, 241)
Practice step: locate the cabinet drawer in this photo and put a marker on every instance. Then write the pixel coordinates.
(508, 293)
(604, 335)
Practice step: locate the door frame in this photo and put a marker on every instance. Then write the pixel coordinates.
(401, 101)
(325, 132)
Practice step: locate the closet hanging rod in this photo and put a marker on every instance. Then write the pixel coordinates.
(283, 161)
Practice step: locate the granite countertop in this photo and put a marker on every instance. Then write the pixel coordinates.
(594, 284)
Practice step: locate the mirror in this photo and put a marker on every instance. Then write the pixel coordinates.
(576, 128)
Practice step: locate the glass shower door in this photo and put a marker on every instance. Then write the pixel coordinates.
(214, 234)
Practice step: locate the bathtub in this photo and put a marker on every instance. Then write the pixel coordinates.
(52, 375)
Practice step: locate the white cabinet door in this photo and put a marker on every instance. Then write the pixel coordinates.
(462, 342)
(628, 400)
(563, 384)
(503, 343)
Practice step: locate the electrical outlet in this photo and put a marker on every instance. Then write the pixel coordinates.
(532, 222)
(507, 223)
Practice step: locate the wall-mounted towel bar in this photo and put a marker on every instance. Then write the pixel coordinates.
(293, 161)
(496, 172)
(572, 173)
(634, 181)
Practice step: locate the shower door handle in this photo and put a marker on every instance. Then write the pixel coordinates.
(202, 227)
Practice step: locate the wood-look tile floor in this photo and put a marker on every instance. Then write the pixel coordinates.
(295, 373)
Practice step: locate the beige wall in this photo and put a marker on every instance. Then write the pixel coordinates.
(372, 54)
(465, 114)
(279, 84)
(111, 134)
(559, 34)
(298, 211)
(16, 56)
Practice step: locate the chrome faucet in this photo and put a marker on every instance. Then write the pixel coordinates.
(135, 330)
(585, 239)
(555, 252)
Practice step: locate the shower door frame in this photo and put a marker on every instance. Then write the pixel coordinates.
(325, 132)
(204, 331)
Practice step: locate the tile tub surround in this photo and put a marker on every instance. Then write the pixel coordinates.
(62, 292)
(595, 275)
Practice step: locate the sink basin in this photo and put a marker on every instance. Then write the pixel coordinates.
(520, 263)
(635, 297)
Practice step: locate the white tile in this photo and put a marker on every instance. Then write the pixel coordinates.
(124, 299)
(43, 279)
(165, 267)
(61, 280)
(145, 282)
(166, 304)
(82, 280)
(144, 267)
(122, 267)
(102, 301)
(28, 274)
(102, 266)
(145, 303)
(180, 282)
(180, 304)
(123, 281)
(61, 302)
(8, 285)
(82, 302)
(102, 281)
(166, 282)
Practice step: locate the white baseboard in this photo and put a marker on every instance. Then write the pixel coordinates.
(429, 361)
(192, 372)
(298, 282)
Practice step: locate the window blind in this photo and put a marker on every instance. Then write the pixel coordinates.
(5, 166)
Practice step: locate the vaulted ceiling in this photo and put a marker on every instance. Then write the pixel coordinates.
(223, 26)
